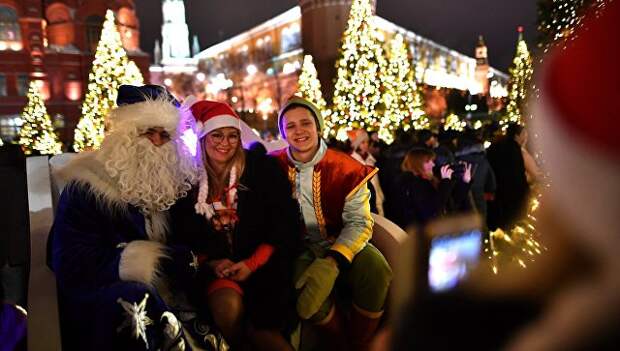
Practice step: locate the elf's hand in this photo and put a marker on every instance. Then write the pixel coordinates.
(317, 282)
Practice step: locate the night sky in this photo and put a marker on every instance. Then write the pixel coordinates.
(452, 23)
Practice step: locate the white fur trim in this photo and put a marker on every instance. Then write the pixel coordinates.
(147, 114)
(215, 122)
(140, 262)
(85, 169)
(585, 185)
(157, 226)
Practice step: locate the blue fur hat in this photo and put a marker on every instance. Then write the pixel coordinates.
(131, 94)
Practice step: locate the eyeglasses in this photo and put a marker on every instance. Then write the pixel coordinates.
(217, 138)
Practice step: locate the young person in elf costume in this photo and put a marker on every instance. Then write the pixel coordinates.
(246, 227)
(331, 189)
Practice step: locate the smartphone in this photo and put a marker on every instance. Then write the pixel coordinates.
(454, 249)
(451, 257)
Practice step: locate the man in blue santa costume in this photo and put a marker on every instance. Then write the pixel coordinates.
(114, 270)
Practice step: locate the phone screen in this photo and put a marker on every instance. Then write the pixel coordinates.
(451, 257)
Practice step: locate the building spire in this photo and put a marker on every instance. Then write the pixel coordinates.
(174, 31)
(157, 53)
(195, 46)
(482, 57)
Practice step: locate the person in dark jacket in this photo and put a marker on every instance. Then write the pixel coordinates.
(483, 184)
(245, 227)
(389, 164)
(422, 196)
(15, 233)
(506, 159)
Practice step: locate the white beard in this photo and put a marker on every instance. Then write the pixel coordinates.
(149, 177)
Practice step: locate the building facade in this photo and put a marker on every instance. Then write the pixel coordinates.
(257, 70)
(54, 42)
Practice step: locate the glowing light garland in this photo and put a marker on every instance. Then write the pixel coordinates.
(36, 134)
(111, 68)
(357, 96)
(558, 20)
(520, 245)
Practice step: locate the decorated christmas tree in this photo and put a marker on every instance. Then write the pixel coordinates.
(401, 98)
(37, 134)
(558, 19)
(520, 77)
(111, 68)
(133, 75)
(310, 89)
(357, 96)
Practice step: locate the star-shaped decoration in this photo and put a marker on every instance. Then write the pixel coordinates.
(136, 318)
(195, 264)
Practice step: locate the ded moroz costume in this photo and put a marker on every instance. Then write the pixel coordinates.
(109, 246)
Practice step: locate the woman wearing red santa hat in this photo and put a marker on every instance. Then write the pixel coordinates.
(246, 226)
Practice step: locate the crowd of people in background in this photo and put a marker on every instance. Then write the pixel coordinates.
(425, 174)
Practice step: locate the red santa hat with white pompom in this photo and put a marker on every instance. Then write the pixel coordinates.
(211, 115)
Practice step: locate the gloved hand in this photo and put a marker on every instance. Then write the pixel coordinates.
(317, 282)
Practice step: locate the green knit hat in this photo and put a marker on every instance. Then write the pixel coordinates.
(301, 102)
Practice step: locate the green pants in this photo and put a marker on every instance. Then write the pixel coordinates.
(365, 281)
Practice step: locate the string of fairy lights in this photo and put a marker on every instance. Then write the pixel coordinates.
(519, 244)
(559, 19)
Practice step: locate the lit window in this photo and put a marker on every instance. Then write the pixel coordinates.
(22, 84)
(10, 32)
(9, 127)
(251, 69)
(3, 91)
(291, 38)
(73, 90)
